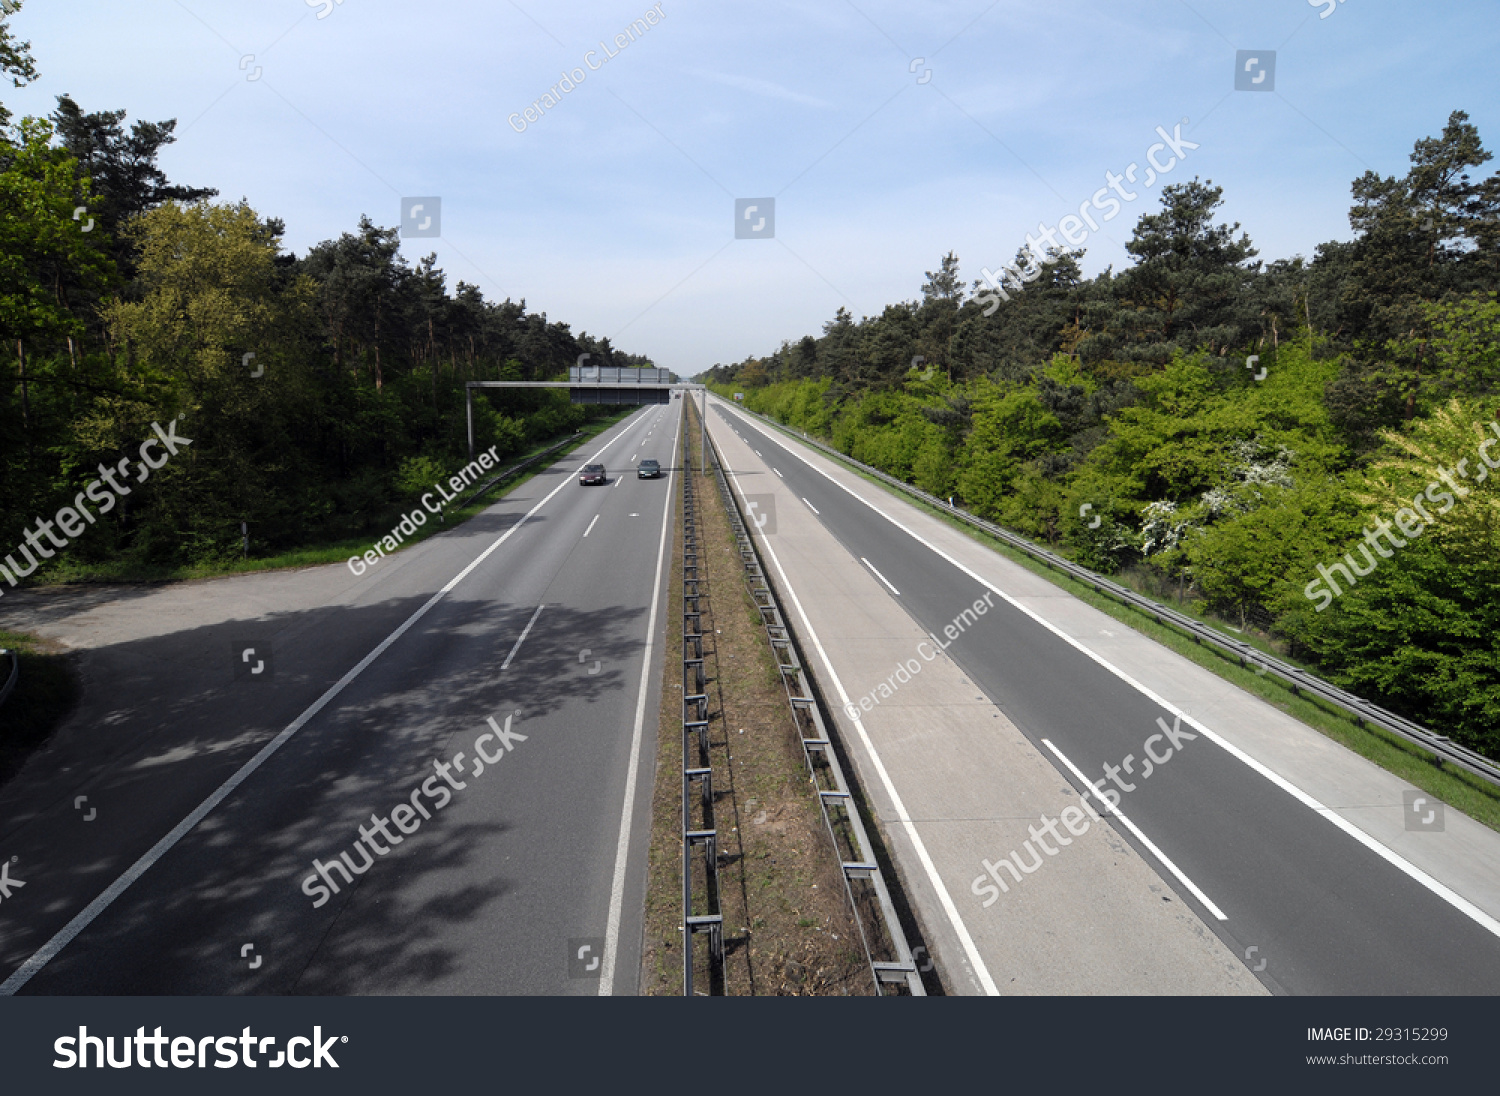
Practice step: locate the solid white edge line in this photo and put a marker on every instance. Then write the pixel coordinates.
(522, 638)
(632, 771)
(64, 936)
(981, 971)
(1442, 890)
(881, 577)
(813, 508)
(1141, 837)
(590, 529)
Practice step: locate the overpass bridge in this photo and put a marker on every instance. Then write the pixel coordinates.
(594, 384)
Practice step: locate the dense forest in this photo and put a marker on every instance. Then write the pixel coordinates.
(1299, 446)
(319, 391)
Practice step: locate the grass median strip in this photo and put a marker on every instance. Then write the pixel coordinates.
(788, 929)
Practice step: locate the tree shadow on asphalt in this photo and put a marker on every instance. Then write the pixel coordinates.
(184, 717)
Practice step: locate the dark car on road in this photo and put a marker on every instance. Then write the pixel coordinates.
(649, 469)
(592, 473)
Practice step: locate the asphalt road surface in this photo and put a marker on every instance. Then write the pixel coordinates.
(1337, 917)
(475, 703)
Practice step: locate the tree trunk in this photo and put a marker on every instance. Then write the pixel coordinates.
(25, 398)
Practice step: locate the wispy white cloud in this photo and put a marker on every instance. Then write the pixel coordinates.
(766, 89)
(626, 187)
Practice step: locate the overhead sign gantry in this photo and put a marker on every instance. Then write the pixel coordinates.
(593, 384)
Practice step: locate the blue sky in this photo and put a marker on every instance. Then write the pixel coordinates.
(614, 211)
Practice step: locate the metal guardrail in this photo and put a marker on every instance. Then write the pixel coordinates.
(881, 934)
(1442, 748)
(702, 833)
(14, 676)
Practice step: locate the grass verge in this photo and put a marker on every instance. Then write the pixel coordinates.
(316, 555)
(49, 687)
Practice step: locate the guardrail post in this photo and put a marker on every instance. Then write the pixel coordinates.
(898, 968)
(695, 723)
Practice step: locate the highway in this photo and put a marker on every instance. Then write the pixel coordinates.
(482, 697)
(476, 703)
(1263, 870)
